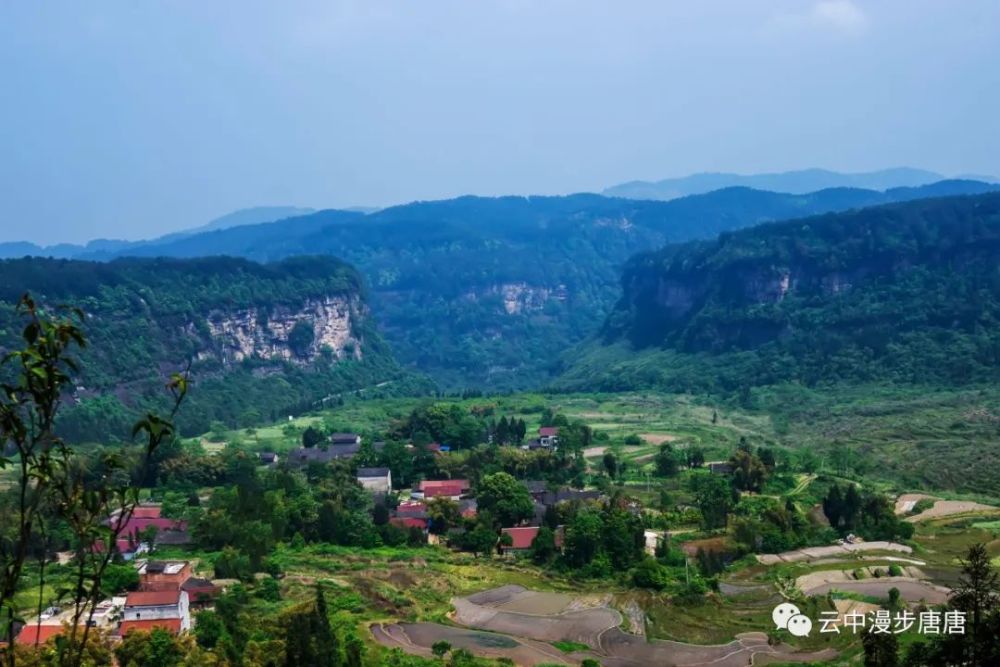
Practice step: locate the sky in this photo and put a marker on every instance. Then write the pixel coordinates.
(133, 119)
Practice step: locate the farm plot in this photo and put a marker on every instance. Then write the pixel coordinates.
(525, 636)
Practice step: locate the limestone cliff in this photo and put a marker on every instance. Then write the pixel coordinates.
(299, 335)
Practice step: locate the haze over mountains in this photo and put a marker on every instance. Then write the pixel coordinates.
(488, 292)
(794, 182)
(101, 247)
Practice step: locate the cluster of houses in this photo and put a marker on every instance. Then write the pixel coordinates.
(167, 593)
(343, 446)
(145, 524)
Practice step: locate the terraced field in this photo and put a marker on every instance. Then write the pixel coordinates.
(521, 625)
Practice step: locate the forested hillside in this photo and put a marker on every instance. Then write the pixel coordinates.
(906, 293)
(261, 339)
(487, 292)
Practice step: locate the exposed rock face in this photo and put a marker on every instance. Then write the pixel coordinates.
(252, 333)
(520, 297)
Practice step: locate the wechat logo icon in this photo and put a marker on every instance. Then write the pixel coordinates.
(787, 616)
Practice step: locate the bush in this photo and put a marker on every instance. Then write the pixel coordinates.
(650, 574)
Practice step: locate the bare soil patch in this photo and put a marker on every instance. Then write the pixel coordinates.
(834, 550)
(657, 438)
(949, 508)
(909, 589)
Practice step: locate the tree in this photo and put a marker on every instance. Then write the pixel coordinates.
(158, 648)
(503, 431)
(715, 499)
(610, 462)
(482, 539)
(309, 639)
(695, 457)
(881, 649)
(748, 471)
(440, 648)
(666, 461)
(444, 514)
(312, 436)
(584, 536)
(978, 595)
(118, 579)
(208, 629)
(520, 430)
(504, 498)
(543, 548)
(52, 486)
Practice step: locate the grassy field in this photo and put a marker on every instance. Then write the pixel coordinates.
(901, 440)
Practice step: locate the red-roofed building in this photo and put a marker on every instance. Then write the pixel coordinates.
(171, 625)
(147, 512)
(201, 592)
(548, 436)
(38, 634)
(447, 488)
(160, 575)
(135, 525)
(411, 508)
(158, 605)
(408, 522)
(523, 538)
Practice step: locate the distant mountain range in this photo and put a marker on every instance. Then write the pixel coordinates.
(488, 292)
(793, 182)
(107, 247)
(904, 293)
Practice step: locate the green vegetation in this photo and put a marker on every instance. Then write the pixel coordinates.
(148, 318)
(570, 647)
(908, 293)
(487, 292)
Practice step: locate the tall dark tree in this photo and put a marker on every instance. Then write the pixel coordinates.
(309, 639)
(978, 595)
(881, 649)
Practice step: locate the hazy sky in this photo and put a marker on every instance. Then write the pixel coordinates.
(131, 119)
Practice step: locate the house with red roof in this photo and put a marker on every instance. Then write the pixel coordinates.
(407, 522)
(444, 488)
(163, 575)
(201, 592)
(34, 634)
(548, 436)
(157, 606)
(171, 625)
(522, 539)
(142, 518)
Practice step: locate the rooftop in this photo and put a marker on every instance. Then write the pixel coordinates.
(152, 598)
(146, 625)
(373, 472)
(521, 538)
(165, 566)
(38, 634)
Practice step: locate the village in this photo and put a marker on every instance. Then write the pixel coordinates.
(621, 517)
(169, 592)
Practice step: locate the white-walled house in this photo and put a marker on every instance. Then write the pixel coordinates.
(158, 605)
(376, 480)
